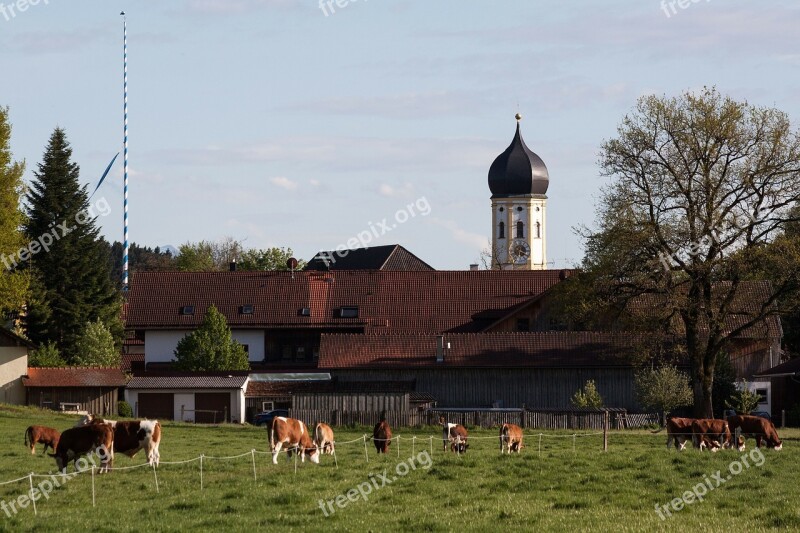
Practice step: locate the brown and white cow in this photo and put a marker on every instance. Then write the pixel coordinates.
(711, 433)
(77, 442)
(323, 438)
(510, 438)
(455, 435)
(294, 434)
(759, 428)
(679, 430)
(132, 436)
(382, 436)
(45, 435)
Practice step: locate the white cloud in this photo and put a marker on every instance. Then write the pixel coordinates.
(406, 191)
(284, 183)
(476, 241)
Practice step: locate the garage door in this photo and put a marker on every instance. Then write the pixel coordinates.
(158, 405)
(212, 407)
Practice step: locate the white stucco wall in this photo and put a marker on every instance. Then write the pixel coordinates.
(160, 345)
(13, 365)
(185, 398)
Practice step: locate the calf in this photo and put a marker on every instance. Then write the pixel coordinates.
(323, 438)
(711, 433)
(45, 435)
(132, 436)
(294, 434)
(755, 426)
(455, 435)
(382, 436)
(76, 442)
(510, 438)
(679, 430)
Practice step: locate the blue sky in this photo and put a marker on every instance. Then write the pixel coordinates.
(270, 122)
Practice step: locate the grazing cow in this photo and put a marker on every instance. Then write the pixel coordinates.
(132, 436)
(757, 427)
(711, 433)
(76, 442)
(45, 435)
(679, 430)
(382, 436)
(323, 438)
(455, 435)
(510, 438)
(294, 434)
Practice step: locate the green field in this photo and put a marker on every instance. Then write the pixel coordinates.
(557, 489)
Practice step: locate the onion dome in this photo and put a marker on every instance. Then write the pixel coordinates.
(518, 171)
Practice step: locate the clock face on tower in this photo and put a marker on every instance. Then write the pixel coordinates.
(519, 251)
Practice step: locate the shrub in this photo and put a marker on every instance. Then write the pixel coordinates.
(124, 409)
(744, 400)
(47, 355)
(588, 396)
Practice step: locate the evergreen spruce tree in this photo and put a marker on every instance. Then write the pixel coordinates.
(73, 281)
(13, 281)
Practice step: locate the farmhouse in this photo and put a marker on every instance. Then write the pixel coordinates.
(13, 364)
(382, 316)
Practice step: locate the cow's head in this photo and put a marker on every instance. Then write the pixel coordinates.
(313, 454)
(85, 420)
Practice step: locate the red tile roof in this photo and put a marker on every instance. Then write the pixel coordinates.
(418, 302)
(507, 350)
(74, 377)
(128, 359)
(188, 381)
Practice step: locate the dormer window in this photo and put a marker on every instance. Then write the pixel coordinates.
(348, 312)
(247, 309)
(305, 311)
(187, 310)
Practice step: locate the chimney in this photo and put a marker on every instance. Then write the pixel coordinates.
(474, 266)
(440, 348)
(233, 265)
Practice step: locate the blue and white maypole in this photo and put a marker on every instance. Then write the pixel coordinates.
(125, 148)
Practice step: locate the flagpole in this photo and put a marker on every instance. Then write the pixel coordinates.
(125, 171)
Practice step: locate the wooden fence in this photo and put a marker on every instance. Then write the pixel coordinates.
(484, 418)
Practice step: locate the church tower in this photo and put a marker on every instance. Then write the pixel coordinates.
(518, 180)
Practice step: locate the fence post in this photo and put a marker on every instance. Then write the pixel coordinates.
(605, 431)
(182, 407)
(783, 418)
(522, 417)
(225, 414)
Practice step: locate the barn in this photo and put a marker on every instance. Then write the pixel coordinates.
(90, 389)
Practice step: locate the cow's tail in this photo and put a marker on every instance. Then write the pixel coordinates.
(29, 436)
(659, 430)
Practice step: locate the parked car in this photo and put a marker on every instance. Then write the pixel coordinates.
(265, 418)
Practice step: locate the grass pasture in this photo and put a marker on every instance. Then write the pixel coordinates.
(557, 490)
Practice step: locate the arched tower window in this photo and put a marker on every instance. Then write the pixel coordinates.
(538, 230)
(501, 231)
(520, 230)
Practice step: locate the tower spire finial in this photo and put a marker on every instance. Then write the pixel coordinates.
(518, 116)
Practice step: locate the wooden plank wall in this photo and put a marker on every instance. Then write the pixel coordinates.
(96, 400)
